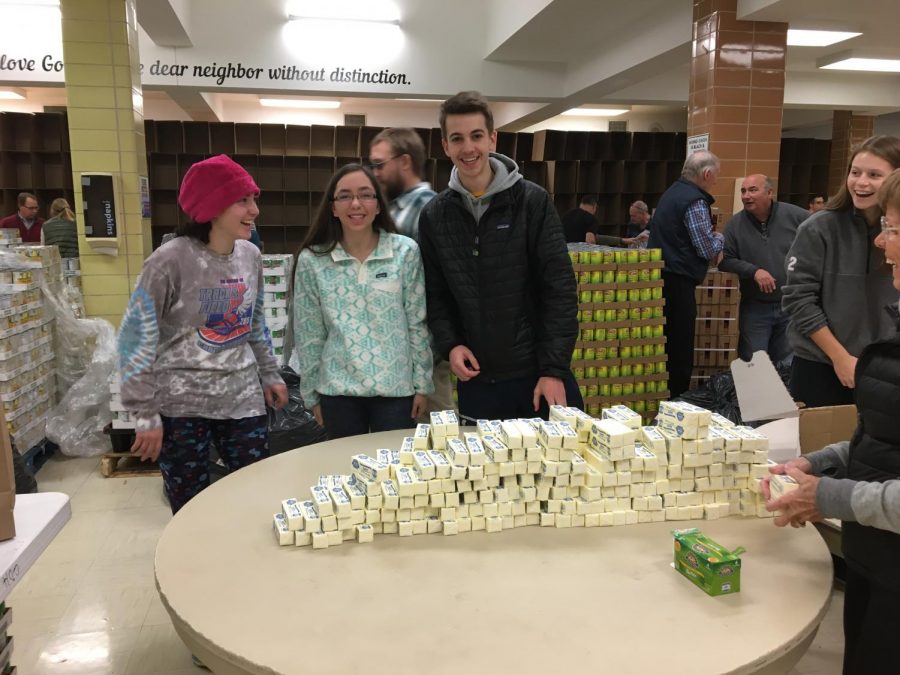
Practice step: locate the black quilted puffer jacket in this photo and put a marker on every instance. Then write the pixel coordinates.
(503, 287)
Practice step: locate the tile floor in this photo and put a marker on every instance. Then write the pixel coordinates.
(89, 605)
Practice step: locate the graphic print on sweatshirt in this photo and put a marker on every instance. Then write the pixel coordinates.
(228, 312)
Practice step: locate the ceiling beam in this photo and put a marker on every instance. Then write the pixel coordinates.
(200, 106)
(162, 23)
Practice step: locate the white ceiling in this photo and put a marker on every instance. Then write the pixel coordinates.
(604, 52)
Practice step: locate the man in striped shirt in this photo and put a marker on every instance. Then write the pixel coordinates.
(397, 158)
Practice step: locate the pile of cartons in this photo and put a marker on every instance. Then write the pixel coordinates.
(121, 418)
(9, 238)
(571, 471)
(716, 334)
(27, 359)
(50, 264)
(620, 356)
(277, 277)
(72, 278)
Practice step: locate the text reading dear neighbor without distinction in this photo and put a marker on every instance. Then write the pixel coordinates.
(287, 73)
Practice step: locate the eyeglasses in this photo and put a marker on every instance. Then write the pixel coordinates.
(346, 198)
(31, 208)
(378, 166)
(888, 229)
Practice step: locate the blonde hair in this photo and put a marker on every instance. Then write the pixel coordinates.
(889, 193)
(60, 206)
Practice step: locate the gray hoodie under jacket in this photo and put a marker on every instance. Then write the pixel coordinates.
(506, 174)
(837, 277)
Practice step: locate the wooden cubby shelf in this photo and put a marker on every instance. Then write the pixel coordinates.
(293, 163)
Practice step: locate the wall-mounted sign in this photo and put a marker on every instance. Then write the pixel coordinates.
(698, 142)
(99, 202)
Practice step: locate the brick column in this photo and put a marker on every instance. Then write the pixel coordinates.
(106, 133)
(847, 130)
(737, 93)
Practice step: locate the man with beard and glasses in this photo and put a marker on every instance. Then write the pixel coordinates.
(397, 158)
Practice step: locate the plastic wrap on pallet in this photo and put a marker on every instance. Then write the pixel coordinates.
(77, 423)
(86, 355)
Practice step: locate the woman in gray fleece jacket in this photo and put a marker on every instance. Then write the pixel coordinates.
(858, 481)
(837, 282)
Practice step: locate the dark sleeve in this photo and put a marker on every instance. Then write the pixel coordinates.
(608, 240)
(731, 260)
(801, 297)
(556, 295)
(442, 311)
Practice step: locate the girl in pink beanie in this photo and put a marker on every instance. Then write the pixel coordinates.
(194, 356)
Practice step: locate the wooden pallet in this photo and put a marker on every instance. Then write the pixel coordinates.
(126, 465)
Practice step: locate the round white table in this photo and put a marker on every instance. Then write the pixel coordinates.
(529, 600)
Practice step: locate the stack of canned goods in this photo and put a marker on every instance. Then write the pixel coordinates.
(620, 355)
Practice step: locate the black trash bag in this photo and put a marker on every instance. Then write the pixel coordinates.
(717, 394)
(294, 425)
(26, 483)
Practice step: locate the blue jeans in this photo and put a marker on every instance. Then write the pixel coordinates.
(763, 327)
(354, 415)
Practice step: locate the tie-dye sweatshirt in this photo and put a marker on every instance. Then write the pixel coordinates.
(193, 341)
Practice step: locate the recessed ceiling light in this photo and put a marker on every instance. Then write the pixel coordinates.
(847, 61)
(596, 112)
(797, 37)
(12, 94)
(345, 11)
(30, 3)
(298, 103)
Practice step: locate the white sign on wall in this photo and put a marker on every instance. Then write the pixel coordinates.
(698, 142)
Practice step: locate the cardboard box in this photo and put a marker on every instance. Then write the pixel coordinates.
(724, 311)
(822, 426)
(729, 296)
(705, 342)
(760, 391)
(706, 327)
(725, 357)
(704, 358)
(7, 483)
(706, 563)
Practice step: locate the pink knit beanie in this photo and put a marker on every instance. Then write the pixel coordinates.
(211, 186)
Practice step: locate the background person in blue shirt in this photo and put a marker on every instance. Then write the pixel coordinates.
(682, 227)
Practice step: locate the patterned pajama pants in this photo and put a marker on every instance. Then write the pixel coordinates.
(184, 458)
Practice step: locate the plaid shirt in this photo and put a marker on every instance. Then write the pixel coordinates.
(406, 208)
(707, 242)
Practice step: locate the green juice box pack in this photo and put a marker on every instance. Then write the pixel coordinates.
(708, 564)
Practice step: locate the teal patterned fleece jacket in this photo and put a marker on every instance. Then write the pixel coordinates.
(359, 327)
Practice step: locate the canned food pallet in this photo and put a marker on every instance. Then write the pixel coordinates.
(620, 356)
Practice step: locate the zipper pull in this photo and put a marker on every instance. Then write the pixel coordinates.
(475, 249)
